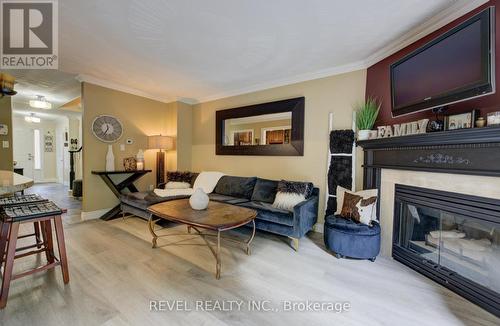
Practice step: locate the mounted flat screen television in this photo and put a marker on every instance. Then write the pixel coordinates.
(456, 66)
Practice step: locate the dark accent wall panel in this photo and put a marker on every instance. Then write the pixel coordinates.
(378, 82)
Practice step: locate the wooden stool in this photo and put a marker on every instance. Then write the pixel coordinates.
(10, 220)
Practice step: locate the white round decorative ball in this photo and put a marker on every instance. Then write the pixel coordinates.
(199, 200)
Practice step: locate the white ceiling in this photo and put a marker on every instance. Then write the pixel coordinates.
(198, 50)
(58, 88)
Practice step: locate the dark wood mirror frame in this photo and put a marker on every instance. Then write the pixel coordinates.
(294, 148)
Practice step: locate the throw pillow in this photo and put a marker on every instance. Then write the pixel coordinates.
(177, 185)
(357, 208)
(179, 176)
(363, 193)
(292, 193)
(207, 181)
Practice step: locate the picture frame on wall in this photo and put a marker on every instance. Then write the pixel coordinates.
(460, 121)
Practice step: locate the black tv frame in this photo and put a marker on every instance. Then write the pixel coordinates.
(485, 87)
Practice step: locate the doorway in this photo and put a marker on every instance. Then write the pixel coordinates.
(27, 152)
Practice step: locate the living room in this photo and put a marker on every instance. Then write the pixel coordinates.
(254, 163)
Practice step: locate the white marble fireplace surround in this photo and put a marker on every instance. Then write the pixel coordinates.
(465, 184)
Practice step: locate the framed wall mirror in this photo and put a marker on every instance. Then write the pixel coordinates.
(273, 129)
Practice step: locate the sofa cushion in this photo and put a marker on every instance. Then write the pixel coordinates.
(226, 199)
(241, 187)
(143, 200)
(267, 212)
(265, 190)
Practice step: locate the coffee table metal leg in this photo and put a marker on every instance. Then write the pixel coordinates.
(248, 250)
(217, 257)
(151, 226)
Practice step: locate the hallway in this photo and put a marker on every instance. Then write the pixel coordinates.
(58, 193)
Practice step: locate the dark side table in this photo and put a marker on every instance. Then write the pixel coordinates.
(118, 188)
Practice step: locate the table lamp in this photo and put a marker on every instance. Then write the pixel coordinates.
(162, 143)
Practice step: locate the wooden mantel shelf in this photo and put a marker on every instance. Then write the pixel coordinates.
(465, 151)
(451, 137)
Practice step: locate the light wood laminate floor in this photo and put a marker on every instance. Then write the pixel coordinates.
(114, 273)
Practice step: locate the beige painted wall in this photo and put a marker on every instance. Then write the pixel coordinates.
(184, 135)
(140, 117)
(335, 94)
(6, 156)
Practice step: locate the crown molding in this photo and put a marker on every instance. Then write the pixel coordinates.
(443, 18)
(288, 81)
(122, 88)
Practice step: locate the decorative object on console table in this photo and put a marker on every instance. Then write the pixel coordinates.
(460, 121)
(118, 187)
(161, 143)
(140, 159)
(366, 115)
(130, 163)
(110, 159)
(494, 119)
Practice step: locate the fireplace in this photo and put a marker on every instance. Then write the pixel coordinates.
(444, 222)
(451, 238)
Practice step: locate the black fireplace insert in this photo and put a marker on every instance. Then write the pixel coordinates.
(452, 238)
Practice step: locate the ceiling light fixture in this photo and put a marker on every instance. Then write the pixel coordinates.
(41, 103)
(32, 118)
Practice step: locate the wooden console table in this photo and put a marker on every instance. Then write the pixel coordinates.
(118, 187)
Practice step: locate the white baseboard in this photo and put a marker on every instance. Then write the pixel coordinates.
(92, 215)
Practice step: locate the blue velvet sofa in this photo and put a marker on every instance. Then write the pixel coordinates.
(251, 192)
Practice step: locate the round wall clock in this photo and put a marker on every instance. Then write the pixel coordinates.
(107, 128)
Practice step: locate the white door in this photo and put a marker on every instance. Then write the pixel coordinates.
(24, 151)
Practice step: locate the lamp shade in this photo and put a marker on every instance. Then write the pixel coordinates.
(160, 142)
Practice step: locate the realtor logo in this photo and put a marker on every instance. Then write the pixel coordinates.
(29, 34)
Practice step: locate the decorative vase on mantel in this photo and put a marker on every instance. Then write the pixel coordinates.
(199, 200)
(110, 159)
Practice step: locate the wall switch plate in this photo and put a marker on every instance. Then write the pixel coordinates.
(122, 147)
(5, 144)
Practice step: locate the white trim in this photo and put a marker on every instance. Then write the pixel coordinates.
(263, 133)
(92, 215)
(122, 88)
(287, 81)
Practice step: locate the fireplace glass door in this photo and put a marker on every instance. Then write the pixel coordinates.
(470, 248)
(453, 239)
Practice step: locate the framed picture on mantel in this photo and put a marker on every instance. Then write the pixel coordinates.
(460, 121)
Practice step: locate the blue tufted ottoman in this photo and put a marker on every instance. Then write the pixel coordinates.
(349, 239)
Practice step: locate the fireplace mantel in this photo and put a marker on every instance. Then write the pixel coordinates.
(467, 151)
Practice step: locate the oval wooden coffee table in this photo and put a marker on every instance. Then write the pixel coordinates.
(218, 217)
